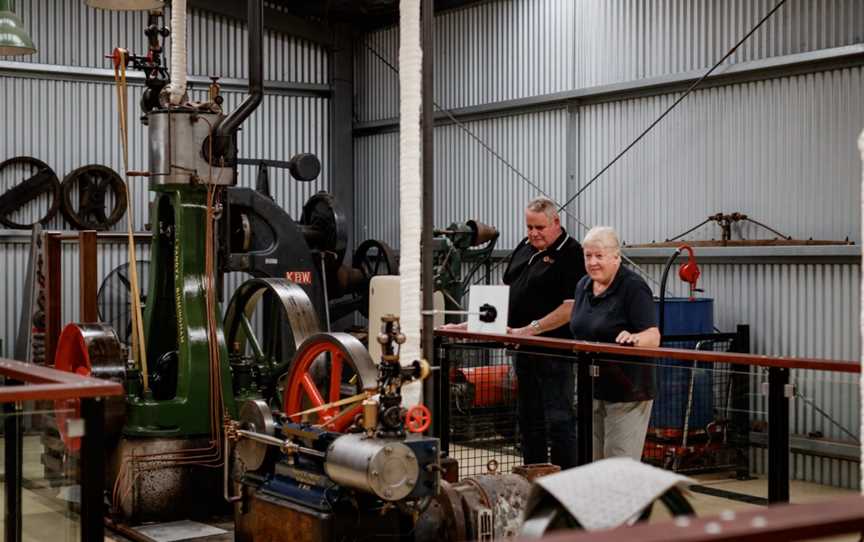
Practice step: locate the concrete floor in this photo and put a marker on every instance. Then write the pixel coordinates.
(48, 517)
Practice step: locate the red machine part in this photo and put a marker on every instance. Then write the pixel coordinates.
(324, 366)
(89, 350)
(689, 272)
(418, 419)
(493, 384)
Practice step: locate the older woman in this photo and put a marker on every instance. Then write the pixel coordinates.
(614, 304)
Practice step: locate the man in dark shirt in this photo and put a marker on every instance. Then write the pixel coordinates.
(542, 274)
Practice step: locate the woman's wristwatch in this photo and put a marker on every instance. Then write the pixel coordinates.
(536, 325)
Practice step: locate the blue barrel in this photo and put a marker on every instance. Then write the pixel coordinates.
(683, 316)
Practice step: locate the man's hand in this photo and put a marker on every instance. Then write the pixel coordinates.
(461, 327)
(527, 331)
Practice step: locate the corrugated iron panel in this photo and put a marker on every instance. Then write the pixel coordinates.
(485, 53)
(69, 124)
(42, 123)
(512, 49)
(619, 40)
(808, 310)
(15, 255)
(470, 183)
(69, 33)
(376, 84)
(782, 151)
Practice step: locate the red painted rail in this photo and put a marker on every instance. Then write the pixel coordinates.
(45, 383)
(567, 345)
(778, 523)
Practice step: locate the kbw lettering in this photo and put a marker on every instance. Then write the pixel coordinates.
(299, 277)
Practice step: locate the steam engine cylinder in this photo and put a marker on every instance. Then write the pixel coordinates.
(386, 468)
(177, 141)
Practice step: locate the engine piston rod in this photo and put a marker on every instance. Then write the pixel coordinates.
(286, 446)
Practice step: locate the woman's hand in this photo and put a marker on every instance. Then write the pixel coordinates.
(625, 337)
(649, 337)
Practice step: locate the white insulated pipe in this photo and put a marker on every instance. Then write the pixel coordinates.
(177, 87)
(410, 187)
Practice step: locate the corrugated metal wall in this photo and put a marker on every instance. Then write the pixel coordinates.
(71, 121)
(41, 123)
(509, 49)
(767, 149)
(69, 33)
(470, 182)
(618, 40)
(781, 150)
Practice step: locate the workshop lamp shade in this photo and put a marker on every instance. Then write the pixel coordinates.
(14, 40)
(126, 5)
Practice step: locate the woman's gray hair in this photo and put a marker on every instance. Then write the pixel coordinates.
(603, 236)
(543, 205)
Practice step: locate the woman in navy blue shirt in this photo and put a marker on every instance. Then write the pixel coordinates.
(614, 304)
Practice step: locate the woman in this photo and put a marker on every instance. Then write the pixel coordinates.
(614, 304)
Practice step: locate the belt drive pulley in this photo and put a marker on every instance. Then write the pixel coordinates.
(96, 186)
(265, 323)
(37, 179)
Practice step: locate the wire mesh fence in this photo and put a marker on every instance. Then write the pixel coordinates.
(700, 418)
(483, 429)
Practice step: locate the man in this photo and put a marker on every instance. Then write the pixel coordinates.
(542, 274)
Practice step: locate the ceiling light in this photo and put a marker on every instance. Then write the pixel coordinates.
(14, 40)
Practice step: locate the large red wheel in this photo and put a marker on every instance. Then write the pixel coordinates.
(328, 367)
(89, 350)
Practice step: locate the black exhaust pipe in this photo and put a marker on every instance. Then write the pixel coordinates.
(225, 143)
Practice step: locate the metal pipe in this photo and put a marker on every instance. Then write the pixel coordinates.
(255, 27)
(661, 317)
(226, 474)
(428, 123)
(284, 445)
(324, 288)
(261, 437)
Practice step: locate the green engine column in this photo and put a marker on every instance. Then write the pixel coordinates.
(175, 323)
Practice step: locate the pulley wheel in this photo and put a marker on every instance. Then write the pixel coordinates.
(329, 367)
(90, 350)
(255, 416)
(325, 225)
(101, 197)
(266, 321)
(373, 258)
(29, 180)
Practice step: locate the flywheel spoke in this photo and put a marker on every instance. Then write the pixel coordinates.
(311, 390)
(335, 376)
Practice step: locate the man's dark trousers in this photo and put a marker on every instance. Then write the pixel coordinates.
(546, 411)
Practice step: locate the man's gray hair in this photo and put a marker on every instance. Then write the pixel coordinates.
(543, 205)
(603, 236)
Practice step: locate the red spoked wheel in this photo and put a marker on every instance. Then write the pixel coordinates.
(89, 350)
(328, 367)
(418, 419)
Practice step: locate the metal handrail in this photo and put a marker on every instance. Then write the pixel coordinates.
(47, 383)
(573, 346)
(776, 523)
(28, 382)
